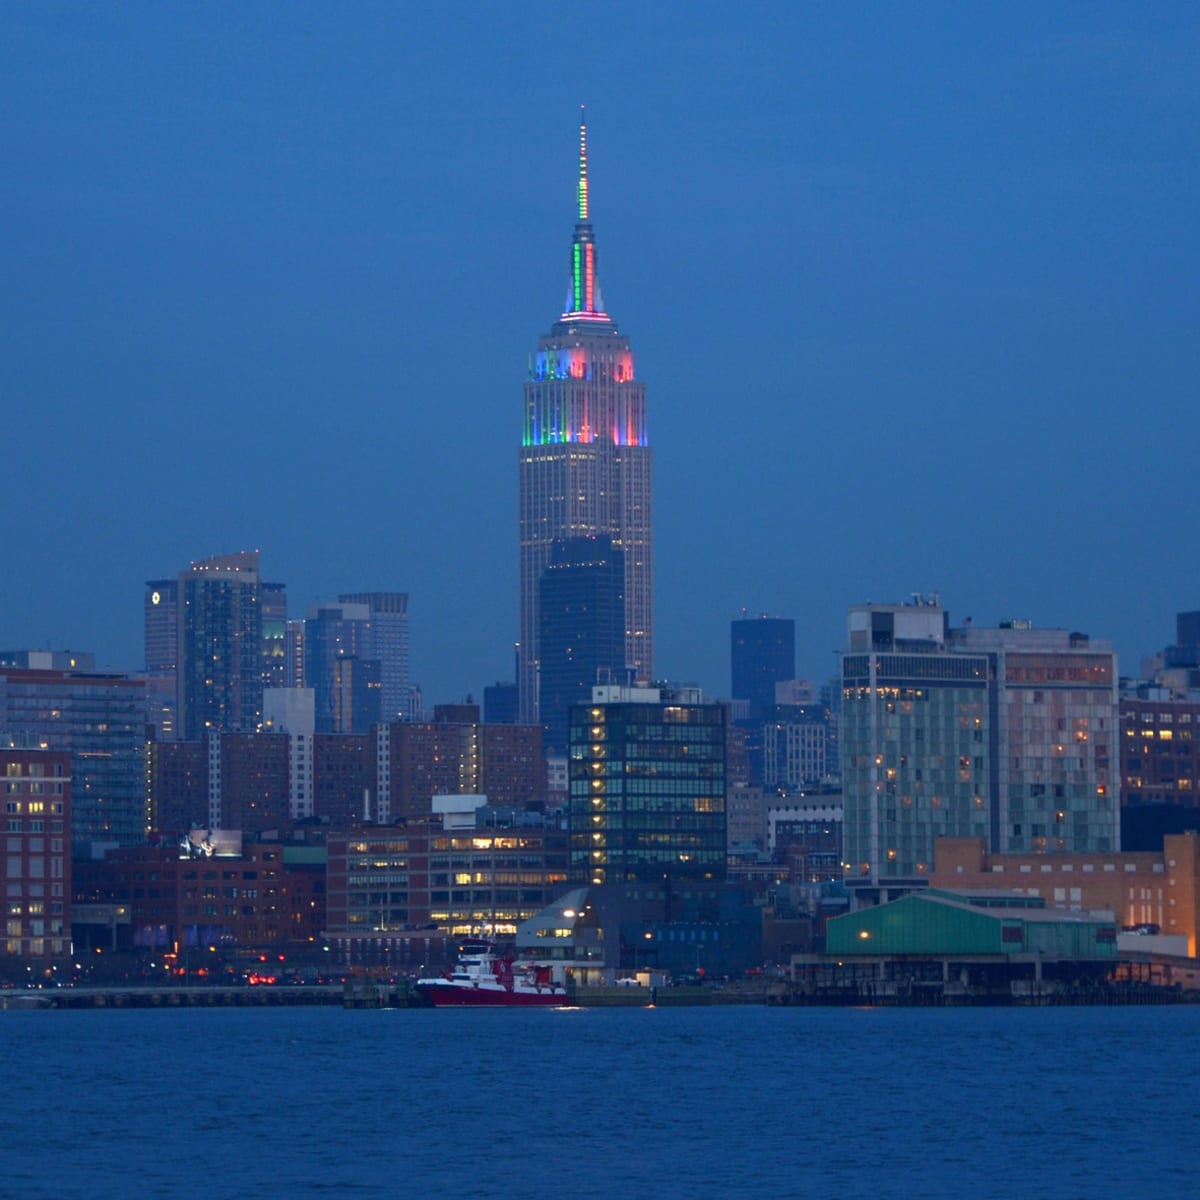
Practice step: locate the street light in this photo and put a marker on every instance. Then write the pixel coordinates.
(647, 936)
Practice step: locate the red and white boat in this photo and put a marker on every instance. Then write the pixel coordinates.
(481, 977)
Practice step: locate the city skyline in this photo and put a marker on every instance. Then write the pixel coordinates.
(914, 304)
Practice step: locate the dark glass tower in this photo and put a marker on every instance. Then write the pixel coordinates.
(582, 614)
(220, 646)
(762, 653)
(647, 789)
(584, 464)
(335, 636)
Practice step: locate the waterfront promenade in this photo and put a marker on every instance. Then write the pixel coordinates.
(368, 993)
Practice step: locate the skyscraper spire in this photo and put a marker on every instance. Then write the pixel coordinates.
(584, 461)
(583, 179)
(584, 301)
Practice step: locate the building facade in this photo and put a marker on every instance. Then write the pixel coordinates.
(273, 646)
(160, 628)
(469, 882)
(647, 787)
(794, 751)
(500, 703)
(582, 638)
(160, 640)
(220, 646)
(385, 641)
(245, 895)
(266, 782)
(1005, 734)
(584, 462)
(745, 819)
(1160, 741)
(99, 719)
(36, 867)
(1157, 892)
(762, 653)
(337, 666)
(1160, 751)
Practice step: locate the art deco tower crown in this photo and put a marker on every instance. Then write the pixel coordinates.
(584, 464)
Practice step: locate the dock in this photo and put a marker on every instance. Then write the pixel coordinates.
(292, 995)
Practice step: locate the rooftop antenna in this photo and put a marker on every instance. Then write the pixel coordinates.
(583, 175)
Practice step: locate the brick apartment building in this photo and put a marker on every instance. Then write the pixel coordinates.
(1146, 889)
(36, 866)
(247, 897)
(259, 782)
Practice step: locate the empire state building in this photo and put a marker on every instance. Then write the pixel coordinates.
(584, 466)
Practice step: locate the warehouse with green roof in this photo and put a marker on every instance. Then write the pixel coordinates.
(945, 947)
(936, 924)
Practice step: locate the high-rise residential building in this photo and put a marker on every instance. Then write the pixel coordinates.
(357, 685)
(762, 653)
(293, 653)
(584, 463)
(253, 772)
(177, 790)
(333, 635)
(1006, 734)
(100, 720)
(220, 645)
(345, 778)
(581, 611)
(452, 756)
(647, 787)
(273, 603)
(385, 640)
(269, 781)
(160, 625)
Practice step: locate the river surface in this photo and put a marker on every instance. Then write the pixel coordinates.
(663, 1103)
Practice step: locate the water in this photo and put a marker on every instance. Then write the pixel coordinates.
(670, 1103)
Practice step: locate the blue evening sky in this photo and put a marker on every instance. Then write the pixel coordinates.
(913, 288)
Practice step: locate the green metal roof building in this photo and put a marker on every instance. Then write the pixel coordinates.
(939, 924)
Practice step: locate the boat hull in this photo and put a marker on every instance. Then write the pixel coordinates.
(449, 995)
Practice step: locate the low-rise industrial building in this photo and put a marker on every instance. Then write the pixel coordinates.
(1155, 892)
(941, 947)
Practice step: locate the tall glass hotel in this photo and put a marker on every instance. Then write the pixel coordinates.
(1008, 735)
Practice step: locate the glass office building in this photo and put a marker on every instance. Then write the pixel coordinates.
(647, 787)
